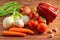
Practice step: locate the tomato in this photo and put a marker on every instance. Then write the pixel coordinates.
(39, 20)
(42, 27)
(33, 15)
(33, 24)
(36, 15)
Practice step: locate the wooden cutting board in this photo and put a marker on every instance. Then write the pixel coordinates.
(33, 3)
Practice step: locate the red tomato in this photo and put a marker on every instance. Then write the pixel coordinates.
(33, 24)
(36, 15)
(39, 20)
(33, 15)
(42, 27)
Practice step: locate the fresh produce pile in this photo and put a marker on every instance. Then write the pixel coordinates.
(24, 20)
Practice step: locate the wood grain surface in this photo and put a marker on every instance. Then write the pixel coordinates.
(33, 3)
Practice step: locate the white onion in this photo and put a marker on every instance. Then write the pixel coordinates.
(8, 22)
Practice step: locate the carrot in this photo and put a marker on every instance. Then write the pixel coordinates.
(23, 30)
(9, 33)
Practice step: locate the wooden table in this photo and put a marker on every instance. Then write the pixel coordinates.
(33, 3)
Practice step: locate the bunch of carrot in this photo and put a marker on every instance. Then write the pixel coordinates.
(17, 32)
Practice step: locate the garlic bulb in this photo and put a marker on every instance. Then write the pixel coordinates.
(19, 23)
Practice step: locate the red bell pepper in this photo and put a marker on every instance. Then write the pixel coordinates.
(49, 8)
(48, 11)
(43, 13)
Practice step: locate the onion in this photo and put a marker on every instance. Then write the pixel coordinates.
(26, 19)
(26, 10)
(8, 22)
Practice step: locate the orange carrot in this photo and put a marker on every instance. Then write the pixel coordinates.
(9, 33)
(23, 30)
